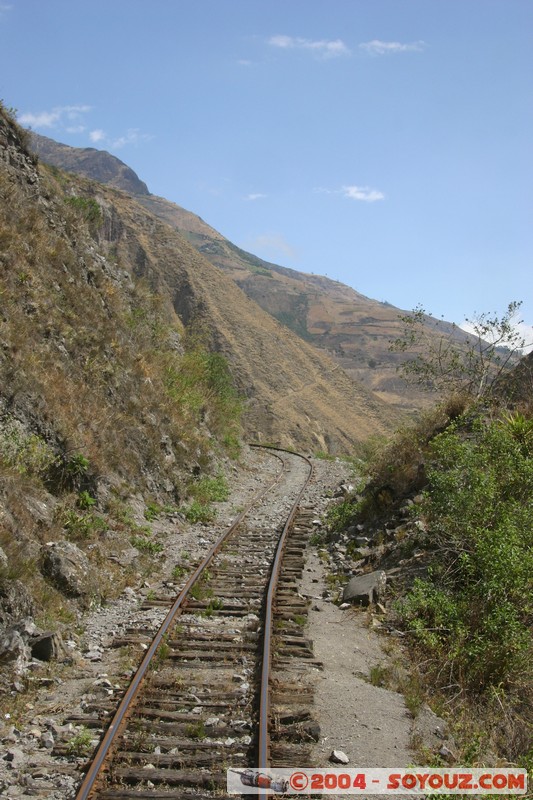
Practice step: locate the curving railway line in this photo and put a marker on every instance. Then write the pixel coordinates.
(220, 685)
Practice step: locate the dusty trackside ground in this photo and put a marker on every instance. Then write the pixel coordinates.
(369, 724)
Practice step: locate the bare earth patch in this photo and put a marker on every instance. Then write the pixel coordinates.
(371, 725)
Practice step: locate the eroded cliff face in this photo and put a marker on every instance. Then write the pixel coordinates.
(293, 393)
(86, 342)
(123, 352)
(106, 403)
(353, 330)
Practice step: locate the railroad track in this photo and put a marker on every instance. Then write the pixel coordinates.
(222, 683)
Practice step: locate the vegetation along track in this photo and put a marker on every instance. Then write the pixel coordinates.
(219, 686)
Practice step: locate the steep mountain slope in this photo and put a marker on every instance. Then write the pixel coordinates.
(86, 344)
(294, 394)
(353, 329)
(123, 354)
(87, 161)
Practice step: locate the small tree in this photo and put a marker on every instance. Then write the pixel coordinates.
(456, 361)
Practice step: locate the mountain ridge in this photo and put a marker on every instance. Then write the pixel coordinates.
(353, 329)
(98, 165)
(294, 394)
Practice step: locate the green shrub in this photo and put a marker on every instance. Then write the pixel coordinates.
(195, 730)
(81, 743)
(210, 490)
(77, 465)
(146, 545)
(317, 539)
(474, 611)
(178, 572)
(199, 512)
(27, 453)
(85, 500)
(200, 591)
(521, 429)
(87, 207)
(152, 511)
(81, 526)
(341, 515)
(215, 604)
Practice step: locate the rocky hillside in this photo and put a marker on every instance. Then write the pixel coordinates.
(109, 407)
(130, 369)
(354, 330)
(322, 408)
(88, 161)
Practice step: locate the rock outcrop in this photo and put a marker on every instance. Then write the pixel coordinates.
(365, 589)
(98, 165)
(68, 568)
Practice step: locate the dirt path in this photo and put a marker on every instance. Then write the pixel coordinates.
(370, 724)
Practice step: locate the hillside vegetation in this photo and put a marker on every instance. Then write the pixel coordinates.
(464, 598)
(109, 404)
(91, 350)
(130, 370)
(355, 331)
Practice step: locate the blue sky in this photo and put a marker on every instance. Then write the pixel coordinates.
(384, 143)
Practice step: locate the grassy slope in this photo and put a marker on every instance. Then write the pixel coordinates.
(353, 329)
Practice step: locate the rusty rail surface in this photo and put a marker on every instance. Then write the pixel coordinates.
(264, 697)
(105, 749)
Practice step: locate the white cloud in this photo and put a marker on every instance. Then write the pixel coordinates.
(70, 120)
(74, 112)
(132, 136)
(271, 244)
(53, 118)
(4, 8)
(97, 135)
(41, 119)
(363, 193)
(326, 48)
(255, 196)
(524, 331)
(378, 48)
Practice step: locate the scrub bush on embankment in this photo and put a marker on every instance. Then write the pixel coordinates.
(472, 616)
(468, 621)
(475, 610)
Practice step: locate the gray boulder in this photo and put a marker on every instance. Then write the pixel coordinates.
(47, 646)
(432, 732)
(16, 603)
(339, 757)
(365, 589)
(68, 568)
(13, 650)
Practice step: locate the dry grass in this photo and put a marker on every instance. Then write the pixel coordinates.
(92, 353)
(88, 344)
(490, 731)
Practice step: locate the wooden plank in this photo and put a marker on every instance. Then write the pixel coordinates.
(172, 777)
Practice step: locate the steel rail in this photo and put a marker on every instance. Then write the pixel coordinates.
(125, 705)
(264, 697)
